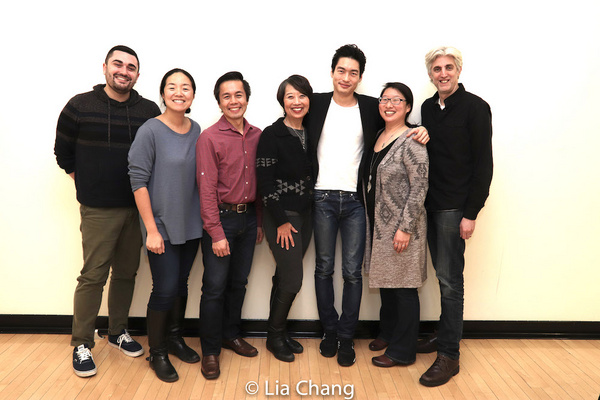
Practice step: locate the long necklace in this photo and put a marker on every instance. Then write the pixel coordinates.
(373, 162)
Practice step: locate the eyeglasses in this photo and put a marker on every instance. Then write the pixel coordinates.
(395, 100)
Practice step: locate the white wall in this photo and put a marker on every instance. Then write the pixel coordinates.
(532, 256)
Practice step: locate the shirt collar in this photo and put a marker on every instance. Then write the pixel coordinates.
(224, 125)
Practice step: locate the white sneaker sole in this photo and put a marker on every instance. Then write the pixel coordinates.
(85, 374)
(127, 353)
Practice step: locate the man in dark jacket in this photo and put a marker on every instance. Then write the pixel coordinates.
(93, 136)
(341, 124)
(460, 173)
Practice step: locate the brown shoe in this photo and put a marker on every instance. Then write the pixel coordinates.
(210, 366)
(384, 361)
(241, 347)
(378, 345)
(440, 372)
(428, 344)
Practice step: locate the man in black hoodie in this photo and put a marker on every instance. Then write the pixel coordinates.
(93, 136)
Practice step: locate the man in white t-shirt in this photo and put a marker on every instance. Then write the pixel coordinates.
(341, 124)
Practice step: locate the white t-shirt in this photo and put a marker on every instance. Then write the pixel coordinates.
(340, 149)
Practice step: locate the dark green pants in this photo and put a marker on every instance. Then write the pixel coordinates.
(111, 238)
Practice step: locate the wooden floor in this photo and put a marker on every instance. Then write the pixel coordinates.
(39, 367)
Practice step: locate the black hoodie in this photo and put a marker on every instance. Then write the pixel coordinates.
(93, 136)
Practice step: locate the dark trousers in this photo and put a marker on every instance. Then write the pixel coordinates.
(225, 279)
(289, 268)
(400, 312)
(447, 255)
(170, 272)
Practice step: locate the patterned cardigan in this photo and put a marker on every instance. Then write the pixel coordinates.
(401, 187)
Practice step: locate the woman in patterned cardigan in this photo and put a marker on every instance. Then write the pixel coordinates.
(395, 185)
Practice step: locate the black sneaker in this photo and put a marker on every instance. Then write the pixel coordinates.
(329, 344)
(346, 354)
(83, 362)
(126, 344)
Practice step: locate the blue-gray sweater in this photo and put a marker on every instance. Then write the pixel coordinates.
(164, 161)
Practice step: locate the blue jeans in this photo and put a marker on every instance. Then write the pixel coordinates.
(170, 272)
(339, 211)
(225, 279)
(447, 255)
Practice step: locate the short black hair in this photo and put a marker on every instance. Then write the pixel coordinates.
(351, 51)
(299, 83)
(124, 49)
(231, 76)
(408, 96)
(163, 82)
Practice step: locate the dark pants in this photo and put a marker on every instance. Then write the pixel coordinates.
(170, 272)
(289, 268)
(400, 312)
(225, 279)
(341, 211)
(447, 255)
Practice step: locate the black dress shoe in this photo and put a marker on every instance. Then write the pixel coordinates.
(428, 344)
(378, 345)
(442, 370)
(210, 366)
(241, 347)
(384, 361)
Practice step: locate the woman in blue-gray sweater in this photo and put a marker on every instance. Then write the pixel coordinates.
(285, 183)
(162, 170)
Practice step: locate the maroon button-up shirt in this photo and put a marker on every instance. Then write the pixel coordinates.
(226, 172)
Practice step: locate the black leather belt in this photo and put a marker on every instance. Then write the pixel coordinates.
(238, 208)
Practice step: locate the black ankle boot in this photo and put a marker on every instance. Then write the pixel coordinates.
(281, 303)
(175, 343)
(293, 345)
(159, 358)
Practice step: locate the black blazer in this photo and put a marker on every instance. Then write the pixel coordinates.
(371, 124)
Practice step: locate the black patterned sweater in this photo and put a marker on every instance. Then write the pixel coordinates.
(284, 172)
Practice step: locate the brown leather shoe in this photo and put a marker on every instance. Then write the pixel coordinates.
(241, 347)
(210, 366)
(384, 361)
(378, 345)
(440, 372)
(428, 344)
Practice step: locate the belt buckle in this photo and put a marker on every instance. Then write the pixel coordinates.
(241, 208)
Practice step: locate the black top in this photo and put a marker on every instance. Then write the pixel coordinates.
(93, 137)
(460, 152)
(284, 172)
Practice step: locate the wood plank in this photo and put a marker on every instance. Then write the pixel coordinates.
(39, 367)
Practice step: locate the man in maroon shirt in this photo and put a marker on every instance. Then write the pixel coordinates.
(231, 212)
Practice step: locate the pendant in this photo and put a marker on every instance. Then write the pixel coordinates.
(369, 184)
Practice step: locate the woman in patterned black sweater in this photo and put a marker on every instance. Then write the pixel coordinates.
(285, 183)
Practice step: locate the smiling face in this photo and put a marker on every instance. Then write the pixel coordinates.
(444, 75)
(233, 101)
(178, 92)
(346, 76)
(121, 72)
(295, 103)
(393, 115)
